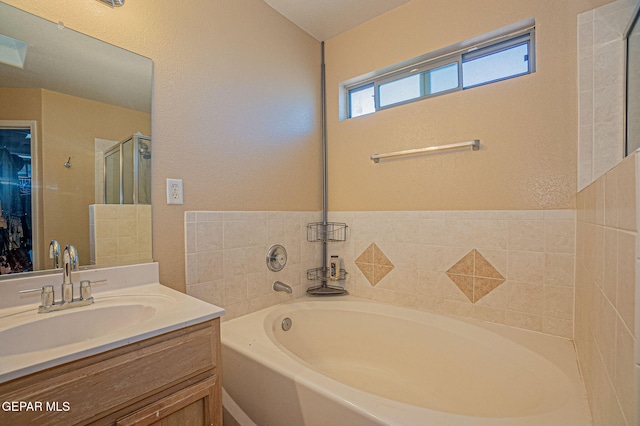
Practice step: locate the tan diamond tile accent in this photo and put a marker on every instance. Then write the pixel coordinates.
(475, 276)
(464, 283)
(374, 264)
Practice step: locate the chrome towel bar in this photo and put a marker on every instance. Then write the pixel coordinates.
(474, 144)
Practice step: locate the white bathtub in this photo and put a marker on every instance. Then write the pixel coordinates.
(346, 361)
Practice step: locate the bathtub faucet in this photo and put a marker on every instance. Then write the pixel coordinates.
(280, 286)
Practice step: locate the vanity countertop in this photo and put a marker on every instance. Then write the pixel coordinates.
(31, 342)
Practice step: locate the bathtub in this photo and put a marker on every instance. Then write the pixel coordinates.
(347, 361)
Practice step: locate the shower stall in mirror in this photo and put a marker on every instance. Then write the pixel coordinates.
(127, 171)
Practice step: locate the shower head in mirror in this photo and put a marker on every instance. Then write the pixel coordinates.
(112, 3)
(144, 150)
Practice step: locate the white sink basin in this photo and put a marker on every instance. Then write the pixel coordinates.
(31, 342)
(73, 326)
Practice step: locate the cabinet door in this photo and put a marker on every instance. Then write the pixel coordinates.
(197, 405)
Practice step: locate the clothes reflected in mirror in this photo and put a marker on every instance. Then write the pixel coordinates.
(16, 242)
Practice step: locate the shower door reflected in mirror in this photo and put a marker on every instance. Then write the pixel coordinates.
(112, 177)
(127, 171)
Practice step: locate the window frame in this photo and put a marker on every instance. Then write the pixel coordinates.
(422, 70)
(458, 57)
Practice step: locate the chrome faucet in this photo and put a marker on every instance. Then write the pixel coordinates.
(70, 263)
(280, 286)
(54, 253)
(47, 300)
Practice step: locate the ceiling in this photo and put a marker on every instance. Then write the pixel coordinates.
(324, 19)
(65, 61)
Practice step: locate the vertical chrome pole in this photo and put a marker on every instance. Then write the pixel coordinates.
(323, 103)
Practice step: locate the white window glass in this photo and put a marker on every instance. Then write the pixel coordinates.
(443, 78)
(400, 90)
(361, 101)
(492, 61)
(496, 66)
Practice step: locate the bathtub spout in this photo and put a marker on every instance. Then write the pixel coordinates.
(280, 286)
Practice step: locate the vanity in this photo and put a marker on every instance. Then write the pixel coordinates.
(141, 354)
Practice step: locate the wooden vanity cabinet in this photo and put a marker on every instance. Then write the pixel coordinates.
(171, 379)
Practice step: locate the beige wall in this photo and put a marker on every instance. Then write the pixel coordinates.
(235, 105)
(527, 125)
(70, 126)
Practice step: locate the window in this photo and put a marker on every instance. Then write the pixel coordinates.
(491, 61)
(496, 62)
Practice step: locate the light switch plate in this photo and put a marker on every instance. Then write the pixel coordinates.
(174, 191)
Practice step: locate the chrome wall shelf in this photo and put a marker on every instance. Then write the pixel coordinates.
(326, 232)
(322, 275)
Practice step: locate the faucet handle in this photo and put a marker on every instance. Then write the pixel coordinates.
(85, 290)
(46, 294)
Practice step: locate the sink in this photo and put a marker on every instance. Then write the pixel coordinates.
(123, 313)
(64, 328)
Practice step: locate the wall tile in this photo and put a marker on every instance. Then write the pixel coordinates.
(526, 267)
(225, 259)
(491, 234)
(557, 327)
(626, 293)
(559, 236)
(627, 194)
(558, 302)
(525, 298)
(611, 198)
(624, 378)
(610, 280)
(526, 235)
(533, 250)
(559, 269)
(605, 280)
(119, 234)
(522, 320)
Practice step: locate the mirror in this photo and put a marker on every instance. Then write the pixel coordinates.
(632, 119)
(66, 99)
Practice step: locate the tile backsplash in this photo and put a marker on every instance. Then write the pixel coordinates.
(119, 233)
(226, 257)
(607, 262)
(523, 261)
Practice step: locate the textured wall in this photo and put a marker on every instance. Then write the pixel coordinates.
(235, 105)
(527, 125)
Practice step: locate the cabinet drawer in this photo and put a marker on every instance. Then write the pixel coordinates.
(112, 383)
(195, 405)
